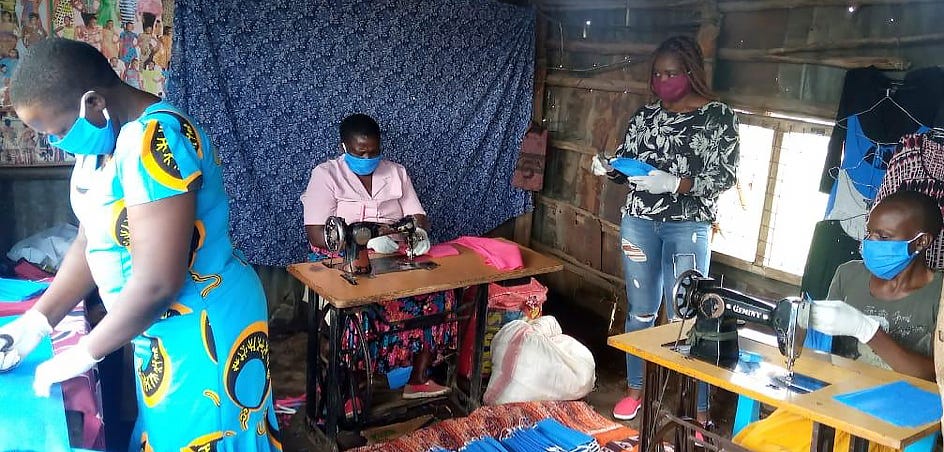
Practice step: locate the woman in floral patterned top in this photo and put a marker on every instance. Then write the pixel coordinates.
(691, 140)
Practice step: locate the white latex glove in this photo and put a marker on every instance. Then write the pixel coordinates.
(68, 364)
(837, 318)
(422, 244)
(26, 331)
(600, 166)
(657, 182)
(383, 244)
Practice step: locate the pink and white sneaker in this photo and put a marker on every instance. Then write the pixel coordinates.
(425, 390)
(627, 408)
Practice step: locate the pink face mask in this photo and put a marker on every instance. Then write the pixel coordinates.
(671, 89)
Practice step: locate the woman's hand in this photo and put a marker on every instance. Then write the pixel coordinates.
(599, 166)
(657, 182)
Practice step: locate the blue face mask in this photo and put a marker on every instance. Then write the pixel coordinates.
(887, 258)
(359, 165)
(85, 138)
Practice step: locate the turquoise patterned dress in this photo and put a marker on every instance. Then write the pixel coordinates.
(203, 368)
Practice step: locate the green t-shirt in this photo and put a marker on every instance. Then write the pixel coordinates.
(909, 321)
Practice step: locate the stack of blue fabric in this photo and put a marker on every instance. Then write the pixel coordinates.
(547, 435)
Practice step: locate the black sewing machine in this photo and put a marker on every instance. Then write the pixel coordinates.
(350, 240)
(717, 310)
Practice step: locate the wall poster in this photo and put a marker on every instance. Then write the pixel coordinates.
(135, 36)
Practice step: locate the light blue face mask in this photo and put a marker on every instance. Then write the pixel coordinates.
(886, 259)
(360, 165)
(85, 138)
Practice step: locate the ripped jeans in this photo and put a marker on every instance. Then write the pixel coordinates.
(654, 254)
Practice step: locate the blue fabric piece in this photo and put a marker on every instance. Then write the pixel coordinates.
(631, 167)
(30, 422)
(864, 160)
(565, 437)
(20, 289)
(885, 402)
(449, 82)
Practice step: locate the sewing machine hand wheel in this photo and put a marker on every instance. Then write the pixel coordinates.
(683, 293)
(334, 233)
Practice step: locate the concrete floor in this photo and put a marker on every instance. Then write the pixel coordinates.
(287, 360)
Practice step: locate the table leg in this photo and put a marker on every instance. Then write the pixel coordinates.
(313, 368)
(858, 444)
(823, 436)
(332, 385)
(481, 310)
(652, 382)
(687, 408)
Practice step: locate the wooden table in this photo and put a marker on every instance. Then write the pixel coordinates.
(844, 376)
(463, 270)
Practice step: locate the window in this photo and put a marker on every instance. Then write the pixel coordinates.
(765, 223)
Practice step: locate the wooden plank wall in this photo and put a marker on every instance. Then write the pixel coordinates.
(773, 55)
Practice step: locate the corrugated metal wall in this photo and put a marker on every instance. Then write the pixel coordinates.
(577, 214)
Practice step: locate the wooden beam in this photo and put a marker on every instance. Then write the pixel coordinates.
(574, 266)
(606, 226)
(764, 105)
(754, 104)
(729, 6)
(843, 62)
(745, 55)
(574, 146)
(616, 86)
(861, 43)
(737, 6)
(525, 222)
(564, 5)
(707, 37)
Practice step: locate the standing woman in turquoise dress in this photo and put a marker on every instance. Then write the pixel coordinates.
(153, 237)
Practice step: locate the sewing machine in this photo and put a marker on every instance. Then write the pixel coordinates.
(350, 240)
(717, 310)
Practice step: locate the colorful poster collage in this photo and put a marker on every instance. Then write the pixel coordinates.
(135, 36)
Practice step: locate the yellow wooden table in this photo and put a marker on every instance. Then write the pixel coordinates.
(342, 298)
(843, 375)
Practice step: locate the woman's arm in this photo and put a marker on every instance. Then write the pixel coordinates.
(160, 249)
(901, 359)
(720, 163)
(72, 284)
(315, 234)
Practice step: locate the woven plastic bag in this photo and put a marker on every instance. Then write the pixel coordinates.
(533, 360)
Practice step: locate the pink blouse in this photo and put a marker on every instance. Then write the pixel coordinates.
(334, 190)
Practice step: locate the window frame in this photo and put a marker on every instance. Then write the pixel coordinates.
(781, 126)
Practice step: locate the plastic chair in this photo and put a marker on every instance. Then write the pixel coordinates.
(748, 409)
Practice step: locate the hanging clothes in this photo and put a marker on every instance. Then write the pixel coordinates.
(919, 166)
(850, 207)
(830, 248)
(921, 93)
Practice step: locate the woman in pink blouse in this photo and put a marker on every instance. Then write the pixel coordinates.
(360, 185)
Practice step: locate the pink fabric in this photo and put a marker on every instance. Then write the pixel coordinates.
(442, 250)
(16, 307)
(334, 190)
(497, 253)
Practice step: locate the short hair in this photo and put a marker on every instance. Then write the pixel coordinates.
(689, 53)
(56, 72)
(925, 207)
(359, 125)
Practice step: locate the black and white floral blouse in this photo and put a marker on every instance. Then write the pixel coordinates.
(701, 145)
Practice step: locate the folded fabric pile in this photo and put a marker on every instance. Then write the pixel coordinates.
(547, 435)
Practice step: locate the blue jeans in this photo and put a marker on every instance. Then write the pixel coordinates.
(654, 254)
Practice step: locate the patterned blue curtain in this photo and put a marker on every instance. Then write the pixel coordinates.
(450, 83)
